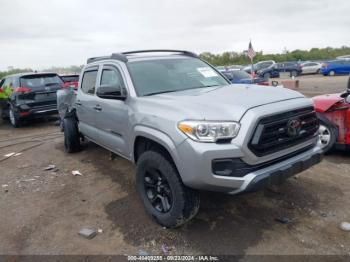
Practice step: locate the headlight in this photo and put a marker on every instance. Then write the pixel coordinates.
(208, 131)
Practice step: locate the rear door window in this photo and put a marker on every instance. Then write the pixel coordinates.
(39, 81)
(111, 77)
(89, 82)
(8, 82)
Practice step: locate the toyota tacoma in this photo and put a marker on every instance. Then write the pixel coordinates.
(187, 128)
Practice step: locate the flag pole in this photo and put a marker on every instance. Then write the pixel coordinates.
(252, 70)
(251, 62)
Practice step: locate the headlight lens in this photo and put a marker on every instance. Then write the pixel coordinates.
(208, 131)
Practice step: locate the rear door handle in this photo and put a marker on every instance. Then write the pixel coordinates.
(98, 108)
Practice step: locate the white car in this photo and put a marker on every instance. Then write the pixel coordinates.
(311, 68)
(344, 57)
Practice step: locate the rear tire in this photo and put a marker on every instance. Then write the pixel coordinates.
(327, 133)
(163, 194)
(293, 73)
(71, 135)
(14, 120)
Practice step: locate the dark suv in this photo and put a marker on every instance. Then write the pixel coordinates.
(293, 68)
(34, 95)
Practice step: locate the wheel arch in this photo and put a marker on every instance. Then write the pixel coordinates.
(329, 122)
(147, 138)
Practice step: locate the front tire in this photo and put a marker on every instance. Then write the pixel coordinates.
(327, 134)
(71, 135)
(163, 194)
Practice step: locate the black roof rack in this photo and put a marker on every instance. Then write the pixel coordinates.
(123, 56)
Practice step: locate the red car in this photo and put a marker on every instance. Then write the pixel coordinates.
(333, 111)
(70, 81)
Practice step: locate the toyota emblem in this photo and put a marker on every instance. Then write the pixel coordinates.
(293, 127)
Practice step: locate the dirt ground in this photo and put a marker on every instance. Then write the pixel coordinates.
(41, 211)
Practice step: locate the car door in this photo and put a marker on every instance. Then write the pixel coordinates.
(307, 68)
(313, 68)
(340, 67)
(347, 67)
(85, 103)
(113, 116)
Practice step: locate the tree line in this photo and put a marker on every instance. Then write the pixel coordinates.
(226, 58)
(314, 54)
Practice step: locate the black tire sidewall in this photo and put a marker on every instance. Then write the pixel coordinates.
(16, 119)
(71, 135)
(173, 218)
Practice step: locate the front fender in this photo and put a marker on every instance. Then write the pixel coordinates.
(157, 136)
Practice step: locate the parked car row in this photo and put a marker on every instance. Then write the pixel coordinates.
(271, 69)
(237, 76)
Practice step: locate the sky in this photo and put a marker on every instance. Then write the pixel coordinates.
(40, 34)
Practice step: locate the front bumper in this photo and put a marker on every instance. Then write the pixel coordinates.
(197, 172)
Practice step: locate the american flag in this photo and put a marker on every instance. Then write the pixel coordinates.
(251, 53)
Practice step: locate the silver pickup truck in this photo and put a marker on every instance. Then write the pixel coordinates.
(187, 128)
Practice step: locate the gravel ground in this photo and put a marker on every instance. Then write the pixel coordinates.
(43, 211)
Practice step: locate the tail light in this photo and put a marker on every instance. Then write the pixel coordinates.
(70, 85)
(263, 83)
(22, 90)
(1, 90)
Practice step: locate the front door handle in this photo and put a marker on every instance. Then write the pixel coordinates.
(98, 108)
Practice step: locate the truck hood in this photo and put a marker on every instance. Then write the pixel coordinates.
(220, 103)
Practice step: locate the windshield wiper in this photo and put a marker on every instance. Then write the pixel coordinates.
(161, 92)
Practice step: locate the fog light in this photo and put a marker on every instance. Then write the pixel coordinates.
(222, 167)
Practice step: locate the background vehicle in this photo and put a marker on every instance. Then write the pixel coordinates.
(344, 57)
(34, 95)
(293, 68)
(259, 66)
(334, 114)
(311, 68)
(70, 81)
(336, 67)
(242, 77)
(187, 128)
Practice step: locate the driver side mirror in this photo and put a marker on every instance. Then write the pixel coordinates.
(111, 92)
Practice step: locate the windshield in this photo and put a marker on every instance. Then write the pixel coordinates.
(171, 75)
(33, 81)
